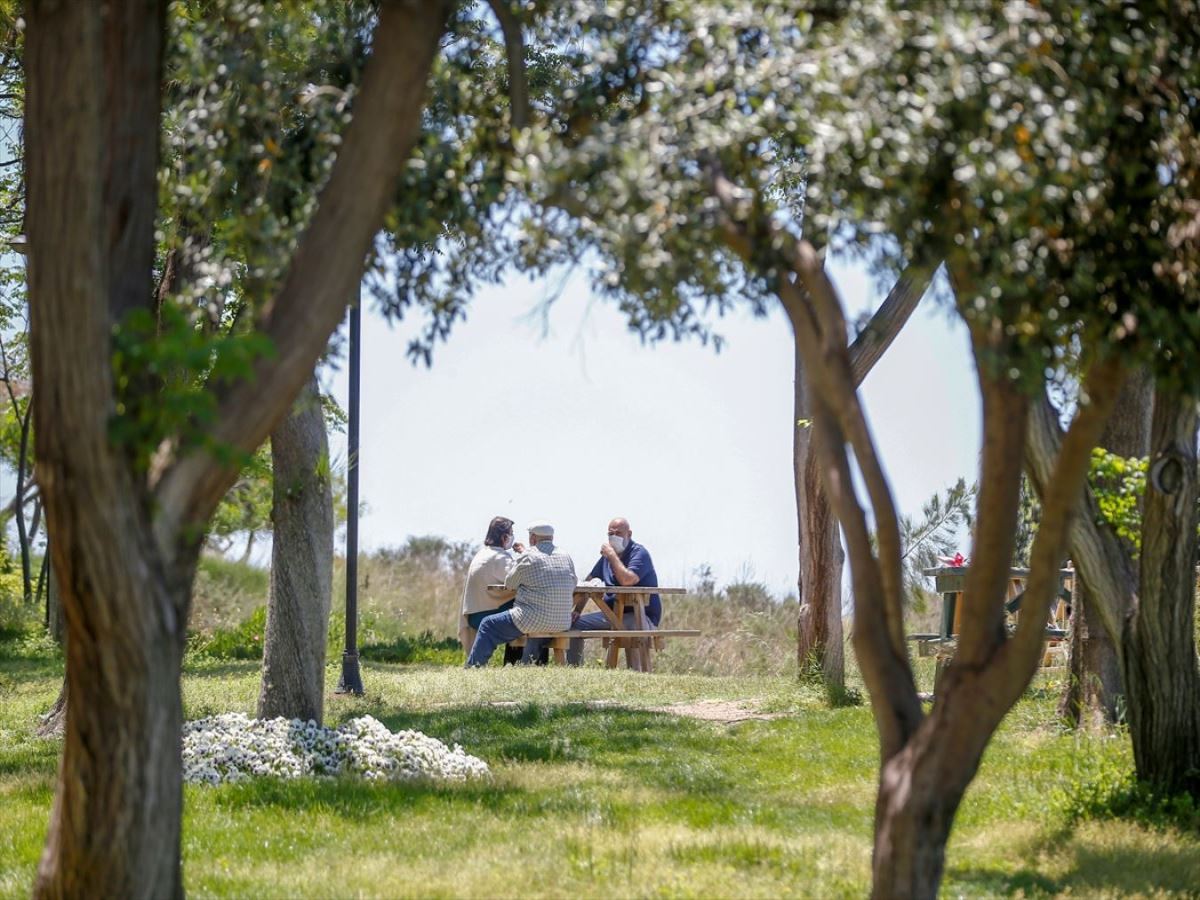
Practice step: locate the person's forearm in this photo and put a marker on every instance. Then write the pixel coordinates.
(625, 577)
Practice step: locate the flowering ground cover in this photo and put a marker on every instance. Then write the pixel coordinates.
(592, 793)
(233, 747)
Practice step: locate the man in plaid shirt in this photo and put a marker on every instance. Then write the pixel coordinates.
(544, 579)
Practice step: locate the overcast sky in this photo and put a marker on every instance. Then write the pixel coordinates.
(575, 420)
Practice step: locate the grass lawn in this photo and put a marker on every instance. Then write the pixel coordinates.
(595, 794)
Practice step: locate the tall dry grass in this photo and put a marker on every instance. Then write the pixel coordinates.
(416, 588)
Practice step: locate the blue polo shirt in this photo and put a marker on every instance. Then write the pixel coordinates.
(636, 559)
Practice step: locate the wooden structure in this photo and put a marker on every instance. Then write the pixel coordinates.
(949, 582)
(637, 642)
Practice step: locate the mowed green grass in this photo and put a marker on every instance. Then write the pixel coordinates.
(594, 794)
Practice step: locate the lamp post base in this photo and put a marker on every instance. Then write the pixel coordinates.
(351, 680)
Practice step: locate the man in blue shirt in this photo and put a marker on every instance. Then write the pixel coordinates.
(622, 562)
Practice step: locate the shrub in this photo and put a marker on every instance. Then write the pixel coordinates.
(243, 641)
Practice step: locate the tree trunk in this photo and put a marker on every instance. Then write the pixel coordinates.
(921, 788)
(1092, 694)
(116, 814)
(1159, 646)
(820, 645)
(293, 683)
(249, 547)
(54, 610)
(54, 722)
(125, 540)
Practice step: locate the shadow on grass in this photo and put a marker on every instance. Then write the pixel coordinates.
(627, 756)
(628, 739)
(208, 668)
(1139, 872)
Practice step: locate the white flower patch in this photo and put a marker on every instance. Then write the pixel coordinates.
(234, 747)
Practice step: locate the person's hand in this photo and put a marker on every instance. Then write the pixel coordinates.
(518, 546)
(607, 551)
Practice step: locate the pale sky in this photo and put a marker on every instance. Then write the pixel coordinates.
(581, 422)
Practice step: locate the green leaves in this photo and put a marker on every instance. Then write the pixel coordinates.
(164, 372)
(1119, 485)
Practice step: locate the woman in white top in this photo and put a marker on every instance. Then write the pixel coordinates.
(489, 566)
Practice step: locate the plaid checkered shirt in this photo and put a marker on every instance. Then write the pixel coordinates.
(544, 578)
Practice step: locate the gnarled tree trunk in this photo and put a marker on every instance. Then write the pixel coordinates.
(1093, 692)
(293, 680)
(819, 640)
(1159, 646)
(124, 538)
(1092, 696)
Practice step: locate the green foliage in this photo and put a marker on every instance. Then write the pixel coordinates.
(247, 505)
(1109, 791)
(1029, 513)
(938, 533)
(1119, 485)
(422, 648)
(178, 359)
(1062, 202)
(243, 641)
(12, 587)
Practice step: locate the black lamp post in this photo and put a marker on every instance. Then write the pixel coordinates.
(351, 680)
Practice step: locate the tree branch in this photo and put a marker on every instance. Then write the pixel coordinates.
(1098, 553)
(1005, 411)
(835, 379)
(1018, 658)
(514, 45)
(819, 327)
(327, 265)
(885, 324)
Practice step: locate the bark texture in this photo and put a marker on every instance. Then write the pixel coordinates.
(123, 542)
(927, 761)
(293, 680)
(1093, 694)
(819, 638)
(1159, 647)
(820, 642)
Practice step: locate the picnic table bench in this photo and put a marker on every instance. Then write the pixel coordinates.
(637, 642)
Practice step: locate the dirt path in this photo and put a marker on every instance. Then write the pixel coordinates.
(727, 712)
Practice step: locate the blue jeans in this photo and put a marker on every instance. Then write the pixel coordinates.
(596, 621)
(493, 631)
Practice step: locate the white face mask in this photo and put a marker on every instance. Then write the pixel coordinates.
(508, 542)
(618, 543)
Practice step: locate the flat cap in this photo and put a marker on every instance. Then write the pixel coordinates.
(542, 527)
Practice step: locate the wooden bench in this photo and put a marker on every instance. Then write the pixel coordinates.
(636, 642)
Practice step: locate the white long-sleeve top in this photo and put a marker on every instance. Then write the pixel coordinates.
(489, 566)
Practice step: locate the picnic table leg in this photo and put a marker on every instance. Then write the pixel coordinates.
(632, 657)
(614, 653)
(641, 601)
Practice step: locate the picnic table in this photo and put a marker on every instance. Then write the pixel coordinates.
(637, 642)
(949, 582)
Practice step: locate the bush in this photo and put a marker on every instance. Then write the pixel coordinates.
(225, 594)
(423, 648)
(1113, 792)
(243, 641)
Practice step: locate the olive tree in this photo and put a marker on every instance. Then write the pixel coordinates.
(1045, 154)
(127, 521)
